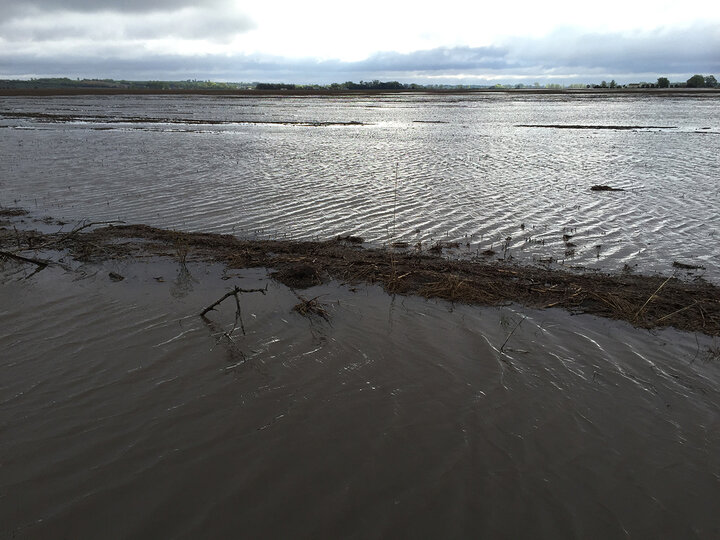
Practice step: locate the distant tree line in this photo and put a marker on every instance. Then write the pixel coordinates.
(274, 86)
(696, 81)
(65, 82)
(186, 85)
(349, 85)
(372, 85)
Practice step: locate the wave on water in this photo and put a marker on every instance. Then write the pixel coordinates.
(418, 169)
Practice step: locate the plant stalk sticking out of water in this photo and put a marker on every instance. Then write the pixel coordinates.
(506, 246)
(393, 282)
(502, 347)
(395, 199)
(651, 297)
(238, 313)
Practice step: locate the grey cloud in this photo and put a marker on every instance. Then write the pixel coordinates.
(572, 56)
(443, 58)
(18, 7)
(149, 67)
(40, 33)
(661, 50)
(213, 26)
(192, 24)
(691, 49)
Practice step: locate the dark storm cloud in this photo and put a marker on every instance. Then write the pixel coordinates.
(572, 56)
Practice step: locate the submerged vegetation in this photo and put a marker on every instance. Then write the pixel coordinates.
(644, 301)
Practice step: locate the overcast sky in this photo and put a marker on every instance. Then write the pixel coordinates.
(448, 42)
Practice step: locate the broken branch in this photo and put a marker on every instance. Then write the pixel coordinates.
(237, 290)
(76, 230)
(39, 262)
(511, 333)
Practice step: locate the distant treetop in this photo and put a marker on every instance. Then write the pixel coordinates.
(696, 81)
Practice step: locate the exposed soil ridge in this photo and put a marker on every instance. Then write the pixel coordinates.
(644, 301)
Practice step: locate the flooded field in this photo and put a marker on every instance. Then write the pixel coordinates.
(407, 168)
(124, 414)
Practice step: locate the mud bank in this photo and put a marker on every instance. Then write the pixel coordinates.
(643, 300)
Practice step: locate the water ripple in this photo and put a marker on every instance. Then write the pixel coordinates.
(477, 175)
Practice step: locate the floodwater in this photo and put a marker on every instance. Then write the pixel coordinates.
(124, 415)
(405, 168)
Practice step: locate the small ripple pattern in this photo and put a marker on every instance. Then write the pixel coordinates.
(563, 426)
(411, 168)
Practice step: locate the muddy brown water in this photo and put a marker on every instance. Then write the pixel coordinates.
(124, 415)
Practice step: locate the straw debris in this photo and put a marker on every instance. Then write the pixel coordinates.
(644, 301)
(308, 308)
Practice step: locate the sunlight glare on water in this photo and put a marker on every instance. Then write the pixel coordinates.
(466, 171)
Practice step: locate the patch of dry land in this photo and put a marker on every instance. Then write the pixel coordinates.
(642, 300)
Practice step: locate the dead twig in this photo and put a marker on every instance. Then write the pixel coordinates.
(235, 354)
(675, 312)
(650, 298)
(306, 308)
(76, 230)
(41, 264)
(237, 290)
(502, 347)
(702, 314)
(238, 313)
